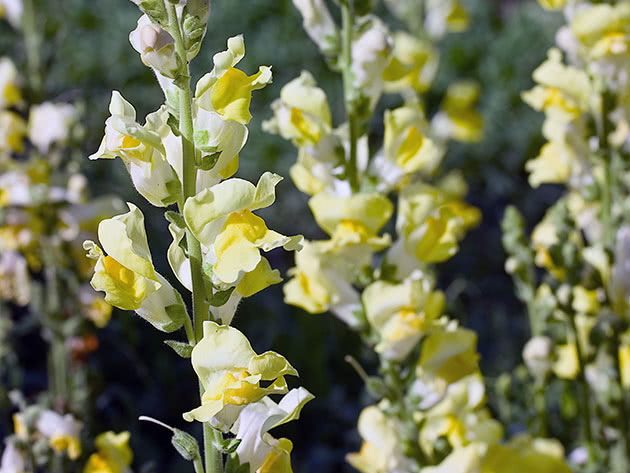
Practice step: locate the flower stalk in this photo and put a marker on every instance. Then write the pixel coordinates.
(350, 93)
(213, 458)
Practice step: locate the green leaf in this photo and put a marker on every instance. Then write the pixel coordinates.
(173, 123)
(182, 349)
(175, 218)
(233, 464)
(227, 445)
(209, 161)
(219, 298)
(177, 314)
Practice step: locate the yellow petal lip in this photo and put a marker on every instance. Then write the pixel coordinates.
(230, 371)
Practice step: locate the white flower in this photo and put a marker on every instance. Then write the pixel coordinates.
(62, 432)
(370, 56)
(318, 22)
(12, 10)
(15, 284)
(12, 459)
(50, 123)
(537, 355)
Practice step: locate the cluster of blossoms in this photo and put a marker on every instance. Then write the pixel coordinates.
(39, 431)
(185, 155)
(578, 310)
(45, 215)
(431, 413)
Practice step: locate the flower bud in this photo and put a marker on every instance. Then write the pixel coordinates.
(156, 47)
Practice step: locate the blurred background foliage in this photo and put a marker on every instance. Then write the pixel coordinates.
(133, 373)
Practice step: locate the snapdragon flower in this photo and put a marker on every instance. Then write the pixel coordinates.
(230, 371)
(142, 151)
(222, 219)
(460, 416)
(458, 118)
(12, 131)
(113, 454)
(413, 64)
(302, 113)
(13, 460)
(62, 432)
(401, 314)
(318, 23)
(50, 123)
(10, 84)
(12, 10)
(432, 221)
(264, 453)
(381, 448)
(449, 355)
(126, 274)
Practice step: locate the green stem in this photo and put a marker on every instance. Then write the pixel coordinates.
(60, 370)
(584, 392)
(541, 409)
(32, 40)
(198, 464)
(350, 93)
(609, 179)
(201, 308)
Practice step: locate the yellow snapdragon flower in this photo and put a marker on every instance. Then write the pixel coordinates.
(302, 113)
(230, 371)
(524, 453)
(461, 460)
(552, 166)
(12, 131)
(113, 454)
(413, 64)
(408, 143)
(222, 219)
(227, 90)
(380, 451)
(603, 29)
(320, 282)
(458, 118)
(401, 313)
(567, 365)
(449, 355)
(432, 222)
(563, 92)
(142, 151)
(62, 432)
(127, 276)
(552, 4)
(367, 212)
(446, 16)
(460, 416)
(221, 111)
(264, 453)
(10, 93)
